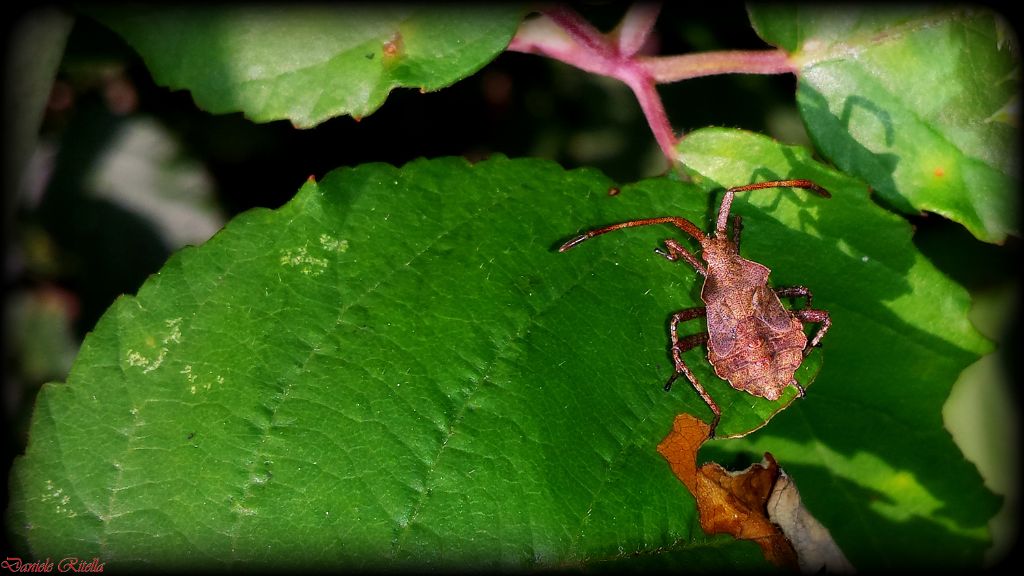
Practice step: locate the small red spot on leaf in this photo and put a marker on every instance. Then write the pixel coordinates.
(613, 191)
(393, 48)
(939, 172)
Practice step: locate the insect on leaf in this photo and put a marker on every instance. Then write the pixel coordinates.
(899, 340)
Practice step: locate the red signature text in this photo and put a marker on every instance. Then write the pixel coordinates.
(68, 564)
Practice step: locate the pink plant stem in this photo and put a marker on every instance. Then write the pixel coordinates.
(647, 96)
(576, 42)
(590, 50)
(665, 69)
(595, 50)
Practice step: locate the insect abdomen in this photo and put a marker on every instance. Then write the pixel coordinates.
(764, 359)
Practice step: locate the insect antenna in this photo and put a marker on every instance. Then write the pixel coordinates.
(681, 223)
(723, 211)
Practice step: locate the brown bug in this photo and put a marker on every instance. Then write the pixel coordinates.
(753, 342)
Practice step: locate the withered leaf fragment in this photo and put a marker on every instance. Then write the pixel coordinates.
(816, 551)
(728, 502)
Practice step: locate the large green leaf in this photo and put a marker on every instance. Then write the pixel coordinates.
(31, 59)
(397, 368)
(920, 102)
(310, 63)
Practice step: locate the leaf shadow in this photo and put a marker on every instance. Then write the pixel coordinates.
(845, 150)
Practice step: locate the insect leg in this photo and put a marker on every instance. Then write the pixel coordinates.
(737, 227)
(681, 368)
(799, 388)
(682, 345)
(676, 251)
(796, 292)
(818, 316)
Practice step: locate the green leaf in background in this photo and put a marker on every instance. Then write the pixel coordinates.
(867, 446)
(398, 369)
(920, 102)
(307, 64)
(31, 60)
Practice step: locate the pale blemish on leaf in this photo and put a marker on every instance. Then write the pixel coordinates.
(244, 511)
(136, 359)
(190, 377)
(149, 363)
(53, 494)
(333, 244)
(174, 331)
(193, 380)
(305, 262)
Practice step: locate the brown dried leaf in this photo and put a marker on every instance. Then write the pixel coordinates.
(681, 445)
(728, 502)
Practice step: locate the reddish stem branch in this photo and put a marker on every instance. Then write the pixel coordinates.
(646, 93)
(562, 34)
(665, 69)
(581, 31)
